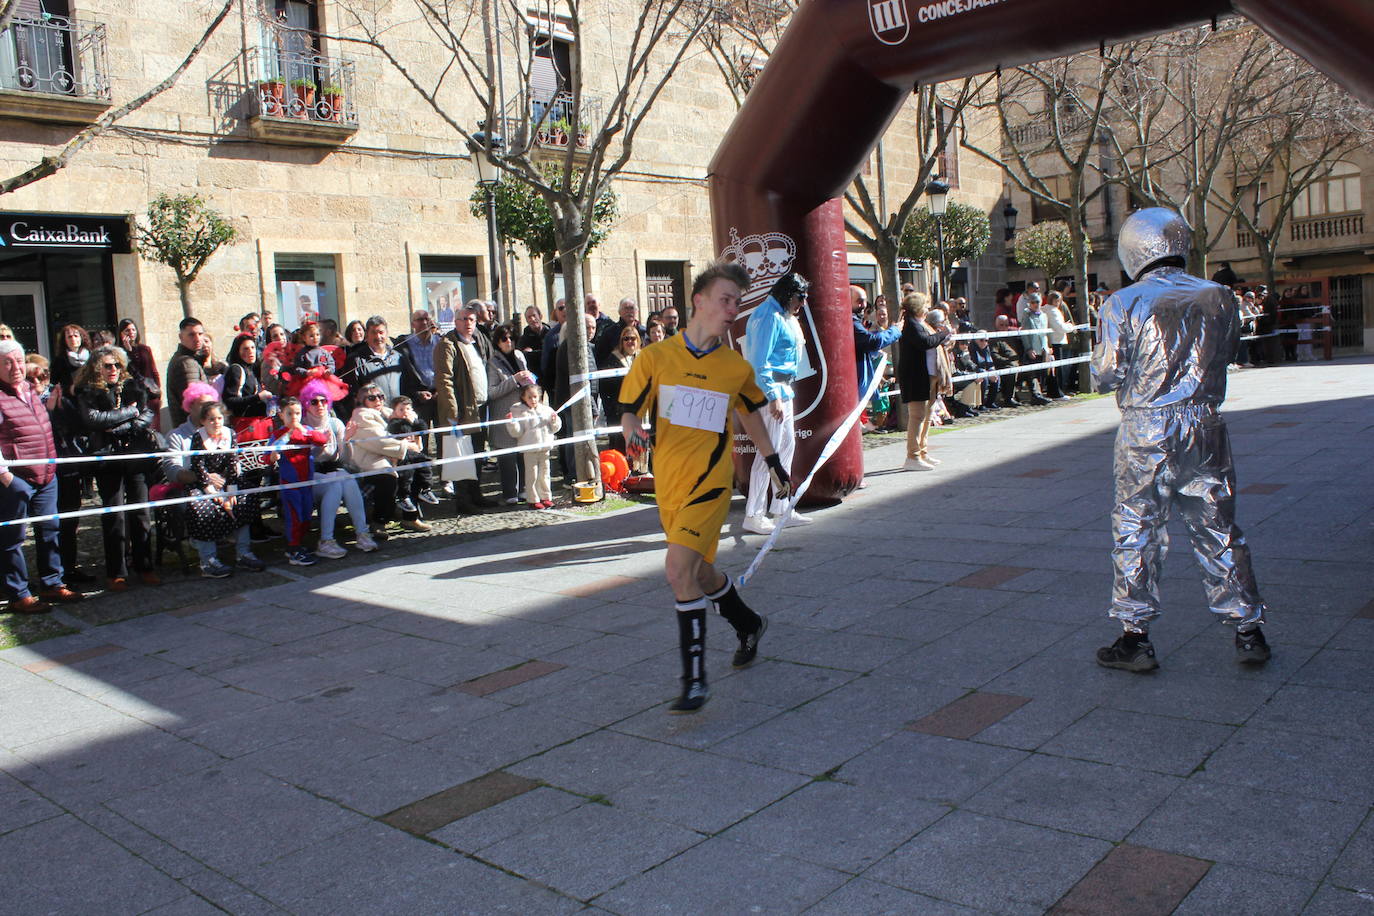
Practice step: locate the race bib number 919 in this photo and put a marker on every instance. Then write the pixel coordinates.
(683, 405)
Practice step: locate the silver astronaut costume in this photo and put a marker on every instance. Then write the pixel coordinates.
(1163, 345)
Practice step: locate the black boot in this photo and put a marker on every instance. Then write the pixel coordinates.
(691, 635)
(748, 624)
(475, 495)
(1131, 652)
(1251, 647)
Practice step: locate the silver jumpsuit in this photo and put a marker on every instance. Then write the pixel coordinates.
(1163, 345)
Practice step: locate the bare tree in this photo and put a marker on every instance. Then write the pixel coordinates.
(740, 35)
(939, 119)
(493, 50)
(1055, 131)
(50, 165)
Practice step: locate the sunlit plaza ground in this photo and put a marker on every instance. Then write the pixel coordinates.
(482, 728)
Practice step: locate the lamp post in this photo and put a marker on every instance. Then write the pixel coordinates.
(483, 148)
(938, 193)
(1009, 214)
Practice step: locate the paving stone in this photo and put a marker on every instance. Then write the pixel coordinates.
(991, 864)
(974, 655)
(1139, 741)
(1133, 881)
(190, 905)
(741, 879)
(590, 849)
(1087, 798)
(376, 869)
(723, 717)
(888, 702)
(1319, 766)
(1259, 829)
(737, 790)
(1320, 710)
(434, 811)
(601, 699)
(784, 684)
(21, 806)
(1333, 901)
(48, 711)
(874, 899)
(804, 741)
(968, 715)
(110, 880)
(1355, 867)
(495, 741)
(480, 829)
(923, 766)
(234, 817)
(837, 825)
(601, 762)
(1232, 889)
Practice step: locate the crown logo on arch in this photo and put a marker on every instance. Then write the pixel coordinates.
(765, 256)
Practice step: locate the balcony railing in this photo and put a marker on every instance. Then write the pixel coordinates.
(551, 119)
(1245, 238)
(54, 69)
(293, 86)
(1042, 131)
(1330, 227)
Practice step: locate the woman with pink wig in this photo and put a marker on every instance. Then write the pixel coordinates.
(333, 485)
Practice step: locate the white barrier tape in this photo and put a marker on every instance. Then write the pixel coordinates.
(600, 373)
(453, 429)
(1013, 370)
(177, 500)
(1021, 332)
(1316, 334)
(833, 443)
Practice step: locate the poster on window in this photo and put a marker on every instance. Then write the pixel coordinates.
(300, 302)
(443, 297)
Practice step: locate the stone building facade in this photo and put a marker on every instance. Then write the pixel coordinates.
(348, 204)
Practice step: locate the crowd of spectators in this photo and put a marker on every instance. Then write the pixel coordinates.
(304, 411)
(940, 364)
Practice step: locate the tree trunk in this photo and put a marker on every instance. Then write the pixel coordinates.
(546, 267)
(184, 289)
(889, 282)
(575, 333)
(1079, 239)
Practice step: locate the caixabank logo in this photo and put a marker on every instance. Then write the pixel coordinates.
(889, 21)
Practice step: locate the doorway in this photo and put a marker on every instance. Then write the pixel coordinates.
(24, 309)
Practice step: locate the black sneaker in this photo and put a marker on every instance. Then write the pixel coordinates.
(1251, 649)
(1130, 652)
(694, 696)
(749, 645)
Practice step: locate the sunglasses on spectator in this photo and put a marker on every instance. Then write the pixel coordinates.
(634, 337)
(372, 397)
(319, 400)
(109, 365)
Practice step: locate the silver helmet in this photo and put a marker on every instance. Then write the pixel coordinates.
(1148, 236)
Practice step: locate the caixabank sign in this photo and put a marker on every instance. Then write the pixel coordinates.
(64, 232)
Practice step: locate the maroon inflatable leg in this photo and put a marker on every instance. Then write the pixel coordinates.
(771, 242)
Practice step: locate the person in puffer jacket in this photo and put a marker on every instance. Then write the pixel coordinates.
(534, 424)
(370, 448)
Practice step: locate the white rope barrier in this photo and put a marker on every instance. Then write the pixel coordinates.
(432, 462)
(1013, 370)
(831, 445)
(1018, 332)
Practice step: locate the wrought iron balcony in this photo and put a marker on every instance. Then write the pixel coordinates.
(1327, 227)
(300, 97)
(551, 120)
(1039, 133)
(54, 69)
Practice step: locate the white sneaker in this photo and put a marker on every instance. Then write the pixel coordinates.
(758, 524)
(331, 550)
(929, 460)
(365, 543)
(797, 520)
(916, 464)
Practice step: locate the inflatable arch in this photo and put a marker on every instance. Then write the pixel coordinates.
(837, 78)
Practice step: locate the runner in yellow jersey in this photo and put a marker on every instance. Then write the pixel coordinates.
(692, 384)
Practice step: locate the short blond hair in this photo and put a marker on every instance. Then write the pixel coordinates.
(915, 305)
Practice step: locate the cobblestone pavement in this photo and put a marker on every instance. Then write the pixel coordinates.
(481, 727)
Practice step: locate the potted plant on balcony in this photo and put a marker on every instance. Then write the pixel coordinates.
(331, 108)
(584, 135)
(303, 91)
(272, 93)
(559, 131)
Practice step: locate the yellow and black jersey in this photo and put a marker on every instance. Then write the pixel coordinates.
(690, 399)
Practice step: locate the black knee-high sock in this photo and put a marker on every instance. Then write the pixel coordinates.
(691, 635)
(732, 607)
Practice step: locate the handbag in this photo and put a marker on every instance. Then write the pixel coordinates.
(454, 447)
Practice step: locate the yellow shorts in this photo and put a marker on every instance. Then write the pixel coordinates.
(697, 525)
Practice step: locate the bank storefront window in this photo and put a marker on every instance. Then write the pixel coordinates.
(447, 282)
(57, 269)
(307, 288)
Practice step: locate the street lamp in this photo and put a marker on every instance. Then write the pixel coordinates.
(938, 193)
(483, 148)
(1009, 214)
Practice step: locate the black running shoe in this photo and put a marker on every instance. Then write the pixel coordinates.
(1251, 649)
(749, 645)
(694, 696)
(1130, 652)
